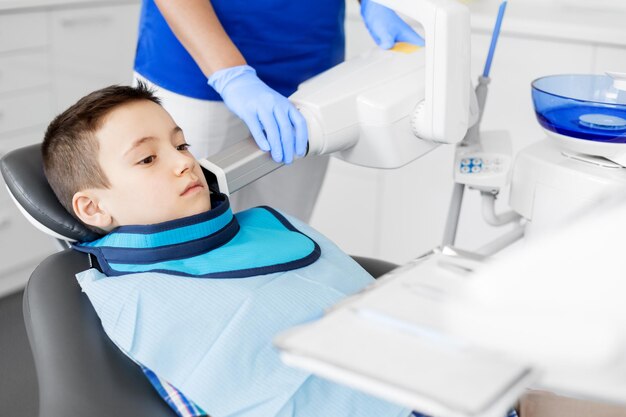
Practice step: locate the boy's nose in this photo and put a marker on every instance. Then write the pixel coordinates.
(184, 163)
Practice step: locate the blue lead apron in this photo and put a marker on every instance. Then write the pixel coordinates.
(198, 301)
(286, 41)
(214, 244)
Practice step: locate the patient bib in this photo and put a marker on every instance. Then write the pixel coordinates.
(211, 337)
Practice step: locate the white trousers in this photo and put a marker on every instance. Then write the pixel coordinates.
(209, 127)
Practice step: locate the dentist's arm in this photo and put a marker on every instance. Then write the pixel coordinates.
(275, 124)
(197, 27)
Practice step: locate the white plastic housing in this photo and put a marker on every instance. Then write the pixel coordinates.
(363, 107)
(615, 152)
(485, 166)
(373, 106)
(619, 79)
(548, 187)
(444, 116)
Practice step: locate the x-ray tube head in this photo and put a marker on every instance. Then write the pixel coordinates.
(444, 115)
(386, 108)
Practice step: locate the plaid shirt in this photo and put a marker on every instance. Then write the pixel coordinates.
(186, 408)
(173, 397)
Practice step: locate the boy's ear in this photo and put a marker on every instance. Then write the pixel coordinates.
(89, 210)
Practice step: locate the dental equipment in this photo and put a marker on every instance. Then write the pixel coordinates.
(392, 340)
(483, 162)
(414, 306)
(362, 106)
(562, 292)
(584, 154)
(401, 315)
(556, 305)
(382, 109)
(584, 114)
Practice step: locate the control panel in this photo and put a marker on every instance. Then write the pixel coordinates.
(485, 166)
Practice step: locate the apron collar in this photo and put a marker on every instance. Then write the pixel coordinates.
(213, 244)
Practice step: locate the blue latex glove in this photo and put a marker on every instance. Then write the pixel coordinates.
(386, 27)
(275, 124)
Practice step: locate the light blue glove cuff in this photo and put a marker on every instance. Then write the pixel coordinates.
(220, 79)
(386, 27)
(274, 122)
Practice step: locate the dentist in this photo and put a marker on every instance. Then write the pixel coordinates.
(223, 69)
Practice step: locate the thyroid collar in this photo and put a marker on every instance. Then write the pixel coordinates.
(213, 244)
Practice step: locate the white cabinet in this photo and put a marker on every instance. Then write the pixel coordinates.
(20, 71)
(22, 31)
(25, 108)
(22, 111)
(609, 59)
(50, 57)
(21, 245)
(348, 206)
(91, 48)
(358, 38)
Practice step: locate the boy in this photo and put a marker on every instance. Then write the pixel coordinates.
(193, 293)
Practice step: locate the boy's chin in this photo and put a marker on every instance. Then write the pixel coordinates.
(176, 216)
(201, 205)
(181, 210)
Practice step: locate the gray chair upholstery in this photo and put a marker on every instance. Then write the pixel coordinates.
(22, 170)
(375, 267)
(79, 370)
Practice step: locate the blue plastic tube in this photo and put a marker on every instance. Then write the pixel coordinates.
(494, 38)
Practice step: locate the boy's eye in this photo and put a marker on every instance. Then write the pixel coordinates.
(148, 160)
(183, 147)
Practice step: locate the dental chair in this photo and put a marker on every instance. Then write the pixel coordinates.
(79, 370)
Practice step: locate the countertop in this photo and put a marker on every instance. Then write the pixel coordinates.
(560, 19)
(581, 23)
(10, 6)
(591, 21)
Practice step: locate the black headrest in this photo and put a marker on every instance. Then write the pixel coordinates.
(22, 170)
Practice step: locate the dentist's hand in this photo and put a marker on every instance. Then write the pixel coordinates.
(276, 125)
(386, 27)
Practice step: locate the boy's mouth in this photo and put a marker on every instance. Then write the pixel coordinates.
(194, 185)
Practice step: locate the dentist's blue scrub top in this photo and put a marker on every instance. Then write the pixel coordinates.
(286, 41)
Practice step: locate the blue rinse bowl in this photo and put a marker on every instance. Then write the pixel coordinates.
(581, 106)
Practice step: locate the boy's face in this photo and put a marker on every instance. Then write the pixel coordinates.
(153, 176)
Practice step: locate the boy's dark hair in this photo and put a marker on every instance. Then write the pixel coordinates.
(70, 148)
